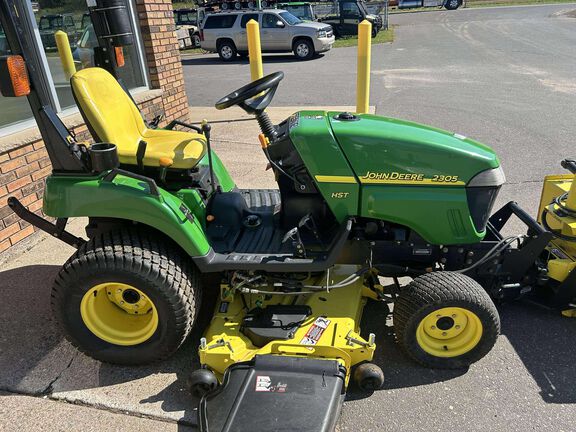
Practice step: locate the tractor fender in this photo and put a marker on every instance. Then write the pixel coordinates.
(126, 198)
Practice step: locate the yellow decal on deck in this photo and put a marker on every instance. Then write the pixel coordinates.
(410, 178)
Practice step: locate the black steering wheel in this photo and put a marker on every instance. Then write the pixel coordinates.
(265, 87)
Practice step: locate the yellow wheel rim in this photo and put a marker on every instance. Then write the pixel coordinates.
(449, 332)
(119, 313)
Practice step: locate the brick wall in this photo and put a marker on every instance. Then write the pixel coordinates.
(162, 54)
(23, 170)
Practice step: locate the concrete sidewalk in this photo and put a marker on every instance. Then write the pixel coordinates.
(36, 360)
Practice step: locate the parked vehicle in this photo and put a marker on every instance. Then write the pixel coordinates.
(186, 21)
(84, 53)
(347, 16)
(50, 24)
(35, 6)
(302, 10)
(225, 33)
(410, 4)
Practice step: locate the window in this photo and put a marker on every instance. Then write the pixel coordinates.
(270, 21)
(350, 10)
(220, 21)
(12, 110)
(71, 17)
(185, 18)
(290, 19)
(246, 18)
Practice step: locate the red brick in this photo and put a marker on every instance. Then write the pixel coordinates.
(10, 219)
(28, 169)
(4, 245)
(3, 191)
(8, 231)
(35, 155)
(42, 173)
(12, 164)
(17, 184)
(4, 157)
(21, 151)
(35, 206)
(22, 234)
(39, 145)
(4, 199)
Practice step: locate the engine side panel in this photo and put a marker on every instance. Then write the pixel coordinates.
(312, 137)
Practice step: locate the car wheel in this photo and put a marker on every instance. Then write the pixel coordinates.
(452, 4)
(303, 49)
(196, 40)
(227, 50)
(374, 31)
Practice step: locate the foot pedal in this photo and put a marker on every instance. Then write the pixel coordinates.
(293, 238)
(275, 393)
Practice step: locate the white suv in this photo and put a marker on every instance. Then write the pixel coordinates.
(280, 31)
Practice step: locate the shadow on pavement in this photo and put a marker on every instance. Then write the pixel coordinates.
(36, 360)
(546, 343)
(266, 59)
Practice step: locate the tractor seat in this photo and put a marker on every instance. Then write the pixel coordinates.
(112, 116)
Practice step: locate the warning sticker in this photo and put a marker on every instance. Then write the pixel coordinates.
(264, 384)
(315, 332)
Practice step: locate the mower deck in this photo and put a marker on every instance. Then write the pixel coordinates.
(330, 331)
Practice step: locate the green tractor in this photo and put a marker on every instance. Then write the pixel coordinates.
(360, 197)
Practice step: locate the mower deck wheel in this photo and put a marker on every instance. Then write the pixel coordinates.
(200, 382)
(369, 377)
(127, 297)
(445, 320)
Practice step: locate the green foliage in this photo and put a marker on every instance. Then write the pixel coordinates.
(382, 37)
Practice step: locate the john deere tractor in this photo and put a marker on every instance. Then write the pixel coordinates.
(360, 198)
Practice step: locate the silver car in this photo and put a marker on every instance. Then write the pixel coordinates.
(280, 31)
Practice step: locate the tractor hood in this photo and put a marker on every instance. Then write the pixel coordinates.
(386, 150)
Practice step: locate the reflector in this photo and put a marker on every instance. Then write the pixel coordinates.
(119, 56)
(14, 76)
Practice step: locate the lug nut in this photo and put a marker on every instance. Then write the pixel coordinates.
(457, 327)
(444, 333)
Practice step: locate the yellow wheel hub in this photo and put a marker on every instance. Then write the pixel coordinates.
(449, 332)
(119, 313)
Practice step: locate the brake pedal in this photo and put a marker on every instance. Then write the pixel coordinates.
(293, 236)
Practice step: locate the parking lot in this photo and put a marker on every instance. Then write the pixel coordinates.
(504, 76)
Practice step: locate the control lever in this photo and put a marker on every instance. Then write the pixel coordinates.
(296, 242)
(156, 121)
(308, 222)
(140, 153)
(165, 163)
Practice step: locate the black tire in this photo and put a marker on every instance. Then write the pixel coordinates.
(303, 49)
(138, 259)
(374, 31)
(434, 293)
(452, 4)
(227, 50)
(201, 382)
(369, 377)
(196, 40)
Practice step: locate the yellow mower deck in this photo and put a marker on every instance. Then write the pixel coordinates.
(331, 332)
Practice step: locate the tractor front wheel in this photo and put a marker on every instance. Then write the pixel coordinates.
(445, 320)
(127, 297)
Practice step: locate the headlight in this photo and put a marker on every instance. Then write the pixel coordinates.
(322, 33)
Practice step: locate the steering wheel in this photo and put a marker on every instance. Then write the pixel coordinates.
(261, 91)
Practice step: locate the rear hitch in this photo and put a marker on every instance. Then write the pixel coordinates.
(56, 230)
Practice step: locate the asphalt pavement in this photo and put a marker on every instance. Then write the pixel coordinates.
(504, 76)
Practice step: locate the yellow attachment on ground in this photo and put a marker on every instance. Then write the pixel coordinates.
(449, 332)
(363, 77)
(563, 253)
(119, 314)
(114, 118)
(65, 53)
(254, 50)
(331, 332)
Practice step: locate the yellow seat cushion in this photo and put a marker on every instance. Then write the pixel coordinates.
(113, 117)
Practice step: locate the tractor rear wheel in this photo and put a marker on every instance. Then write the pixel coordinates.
(127, 297)
(445, 320)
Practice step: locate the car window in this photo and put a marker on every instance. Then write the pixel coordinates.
(289, 18)
(69, 22)
(269, 20)
(88, 38)
(350, 9)
(246, 18)
(220, 21)
(44, 24)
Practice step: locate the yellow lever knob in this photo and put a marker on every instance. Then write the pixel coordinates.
(166, 162)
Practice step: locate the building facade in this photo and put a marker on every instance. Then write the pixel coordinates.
(153, 73)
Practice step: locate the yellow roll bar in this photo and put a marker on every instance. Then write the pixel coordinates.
(65, 53)
(363, 77)
(254, 50)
